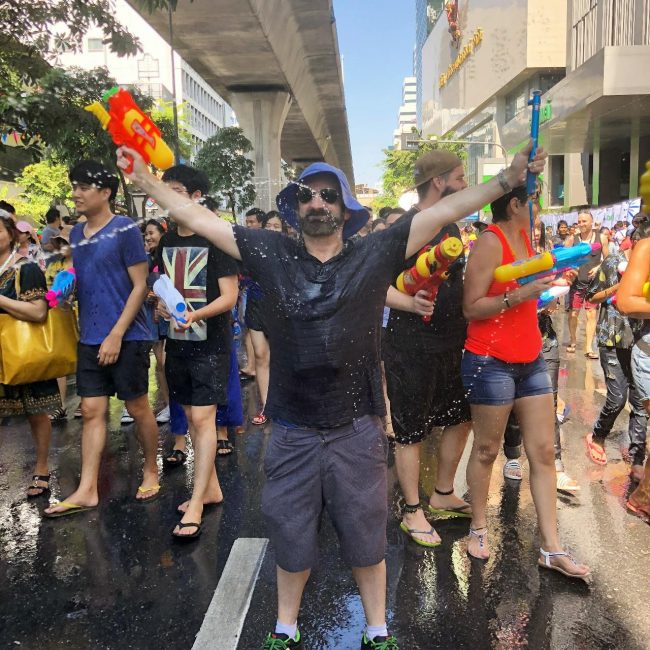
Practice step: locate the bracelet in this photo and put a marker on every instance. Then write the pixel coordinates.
(503, 181)
(506, 302)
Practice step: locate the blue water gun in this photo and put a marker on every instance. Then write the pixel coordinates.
(551, 295)
(531, 179)
(62, 287)
(545, 264)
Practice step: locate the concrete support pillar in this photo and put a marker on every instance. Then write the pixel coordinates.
(634, 159)
(261, 115)
(575, 189)
(595, 182)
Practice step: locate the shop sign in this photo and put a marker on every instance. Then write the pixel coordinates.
(453, 68)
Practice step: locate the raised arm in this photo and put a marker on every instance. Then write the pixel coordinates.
(427, 223)
(630, 299)
(184, 211)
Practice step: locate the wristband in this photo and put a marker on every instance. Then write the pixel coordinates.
(503, 181)
(506, 302)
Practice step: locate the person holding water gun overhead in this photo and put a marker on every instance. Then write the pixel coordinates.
(633, 300)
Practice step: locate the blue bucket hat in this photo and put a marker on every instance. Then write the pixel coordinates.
(288, 202)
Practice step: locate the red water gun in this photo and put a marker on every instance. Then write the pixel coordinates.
(129, 126)
(430, 270)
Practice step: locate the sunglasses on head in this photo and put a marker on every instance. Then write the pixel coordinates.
(305, 194)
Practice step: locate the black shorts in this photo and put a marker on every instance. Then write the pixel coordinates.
(254, 314)
(128, 377)
(198, 380)
(425, 390)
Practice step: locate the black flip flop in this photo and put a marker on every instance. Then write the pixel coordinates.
(194, 535)
(224, 448)
(178, 455)
(33, 486)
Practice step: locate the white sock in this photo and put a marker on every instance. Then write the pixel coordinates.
(373, 631)
(289, 630)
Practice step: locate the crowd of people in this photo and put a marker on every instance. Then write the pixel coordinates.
(330, 342)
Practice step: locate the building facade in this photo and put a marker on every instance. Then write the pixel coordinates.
(407, 117)
(152, 72)
(586, 56)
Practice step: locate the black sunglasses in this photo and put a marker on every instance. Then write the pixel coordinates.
(305, 194)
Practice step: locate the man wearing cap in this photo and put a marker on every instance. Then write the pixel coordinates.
(422, 362)
(113, 353)
(324, 302)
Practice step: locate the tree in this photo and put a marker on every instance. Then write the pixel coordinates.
(34, 30)
(223, 159)
(398, 167)
(44, 184)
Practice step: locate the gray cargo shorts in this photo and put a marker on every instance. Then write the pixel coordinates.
(342, 471)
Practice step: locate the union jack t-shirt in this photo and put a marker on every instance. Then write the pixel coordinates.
(194, 266)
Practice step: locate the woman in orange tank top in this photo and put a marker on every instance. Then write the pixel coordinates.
(503, 369)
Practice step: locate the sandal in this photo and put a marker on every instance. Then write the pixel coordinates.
(146, 490)
(68, 509)
(58, 415)
(640, 511)
(224, 448)
(512, 470)
(458, 511)
(564, 483)
(175, 458)
(571, 348)
(546, 564)
(481, 541)
(592, 355)
(413, 531)
(259, 419)
(44, 478)
(189, 524)
(595, 453)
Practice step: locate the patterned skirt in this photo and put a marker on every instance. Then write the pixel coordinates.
(29, 399)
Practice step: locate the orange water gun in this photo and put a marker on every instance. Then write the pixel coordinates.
(129, 126)
(430, 270)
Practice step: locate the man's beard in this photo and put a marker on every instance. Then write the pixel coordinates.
(447, 191)
(321, 222)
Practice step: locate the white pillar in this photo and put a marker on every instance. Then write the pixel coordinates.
(261, 115)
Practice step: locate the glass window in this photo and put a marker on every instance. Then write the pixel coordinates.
(95, 45)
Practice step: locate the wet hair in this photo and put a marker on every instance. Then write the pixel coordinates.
(91, 172)
(257, 213)
(156, 224)
(10, 226)
(499, 207)
(271, 214)
(210, 202)
(643, 228)
(192, 179)
(7, 207)
(52, 215)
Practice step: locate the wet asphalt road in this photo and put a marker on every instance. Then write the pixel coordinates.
(114, 578)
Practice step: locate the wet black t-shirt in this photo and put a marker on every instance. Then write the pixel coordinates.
(323, 322)
(194, 266)
(447, 328)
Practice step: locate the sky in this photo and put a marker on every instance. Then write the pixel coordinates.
(376, 39)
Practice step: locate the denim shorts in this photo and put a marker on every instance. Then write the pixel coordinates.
(641, 368)
(490, 381)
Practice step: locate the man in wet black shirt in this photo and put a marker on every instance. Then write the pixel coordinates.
(324, 298)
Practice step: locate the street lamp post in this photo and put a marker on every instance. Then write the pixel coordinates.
(435, 140)
(177, 153)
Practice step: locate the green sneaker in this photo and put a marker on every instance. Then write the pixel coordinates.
(379, 643)
(275, 641)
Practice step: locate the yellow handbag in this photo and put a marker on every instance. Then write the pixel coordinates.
(32, 352)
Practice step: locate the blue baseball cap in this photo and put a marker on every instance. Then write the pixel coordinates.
(287, 200)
